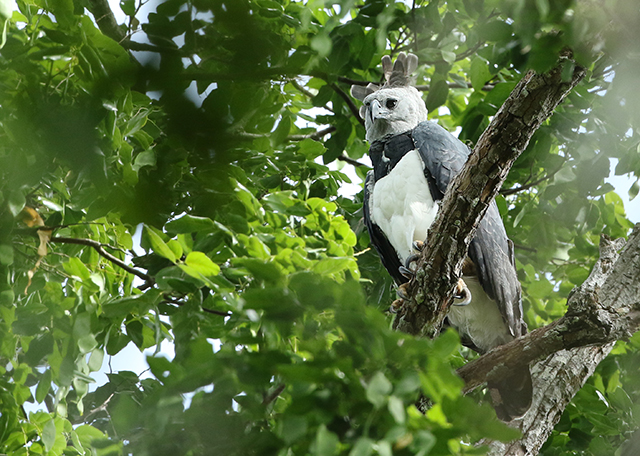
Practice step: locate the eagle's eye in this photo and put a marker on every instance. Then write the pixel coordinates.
(391, 103)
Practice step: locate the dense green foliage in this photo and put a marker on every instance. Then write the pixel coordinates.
(248, 246)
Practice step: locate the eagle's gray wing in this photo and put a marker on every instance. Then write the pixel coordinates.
(444, 155)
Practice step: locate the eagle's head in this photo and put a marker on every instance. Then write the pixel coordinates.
(392, 111)
(397, 106)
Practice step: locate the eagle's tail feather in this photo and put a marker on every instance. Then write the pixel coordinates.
(512, 395)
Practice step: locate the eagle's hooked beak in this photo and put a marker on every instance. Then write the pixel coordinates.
(376, 111)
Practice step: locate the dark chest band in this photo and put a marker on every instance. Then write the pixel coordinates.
(387, 152)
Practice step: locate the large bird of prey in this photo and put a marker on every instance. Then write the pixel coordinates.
(413, 162)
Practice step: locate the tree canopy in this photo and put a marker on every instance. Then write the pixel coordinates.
(222, 132)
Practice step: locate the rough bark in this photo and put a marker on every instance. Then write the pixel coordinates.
(532, 102)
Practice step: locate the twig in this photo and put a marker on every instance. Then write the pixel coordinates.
(352, 106)
(99, 247)
(179, 303)
(350, 160)
(302, 89)
(316, 135)
(274, 395)
(513, 191)
(101, 408)
(525, 248)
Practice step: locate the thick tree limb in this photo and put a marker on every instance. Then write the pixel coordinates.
(532, 102)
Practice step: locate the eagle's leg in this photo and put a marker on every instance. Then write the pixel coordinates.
(463, 294)
(403, 295)
(409, 273)
(406, 270)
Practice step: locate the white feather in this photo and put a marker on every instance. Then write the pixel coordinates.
(402, 205)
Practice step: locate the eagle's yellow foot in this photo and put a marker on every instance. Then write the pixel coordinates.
(463, 294)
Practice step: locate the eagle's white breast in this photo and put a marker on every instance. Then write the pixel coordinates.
(402, 205)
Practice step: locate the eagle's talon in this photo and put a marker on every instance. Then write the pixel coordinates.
(463, 293)
(402, 292)
(396, 306)
(406, 272)
(410, 259)
(418, 246)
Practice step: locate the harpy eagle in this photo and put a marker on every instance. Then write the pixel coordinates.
(413, 162)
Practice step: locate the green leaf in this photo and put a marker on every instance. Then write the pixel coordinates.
(49, 434)
(291, 428)
(190, 224)
(95, 360)
(157, 244)
(396, 408)
(437, 96)
(44, 385)
(479, 73)
(311, 149)
(322, 44)
(202, 264)
(16, 202)
(6, 254)
(378, 390)
(448, 56)
(326, 442)
(128, 7)
(633, 191)
(363, 447)
(146, 158)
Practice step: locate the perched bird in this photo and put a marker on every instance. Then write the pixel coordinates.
(413, 162)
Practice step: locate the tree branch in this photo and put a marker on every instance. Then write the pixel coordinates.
(352, 106)
(350, 160)
(532, 101)
(99, 247)
(513, 191)
(592, 318)
(105, 19)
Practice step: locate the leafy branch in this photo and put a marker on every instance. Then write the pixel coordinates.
(99, 247)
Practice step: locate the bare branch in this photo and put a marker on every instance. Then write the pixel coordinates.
(350, 160)
(592, 318)
(605, 308)
(317, 135)
(99, 247)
